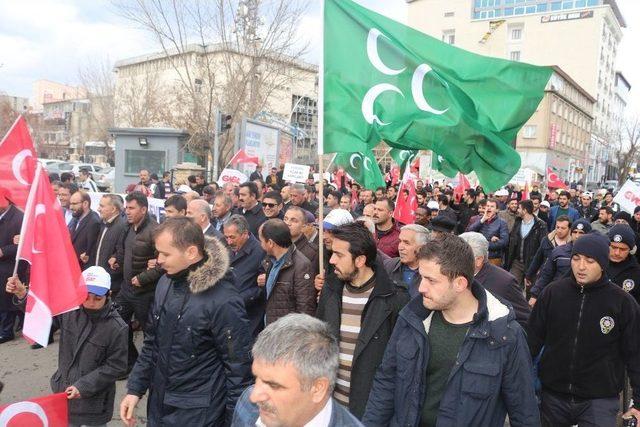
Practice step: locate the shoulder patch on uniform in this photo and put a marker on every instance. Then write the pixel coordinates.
(628, 285)
(606, 324)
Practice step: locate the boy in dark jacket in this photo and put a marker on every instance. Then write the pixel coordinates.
(92, 352)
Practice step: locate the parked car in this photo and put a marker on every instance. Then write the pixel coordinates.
(105, 184)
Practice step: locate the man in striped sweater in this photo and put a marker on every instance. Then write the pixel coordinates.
(361, 304)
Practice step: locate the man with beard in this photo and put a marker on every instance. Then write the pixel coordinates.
(250, 207)
(457, 356)
(84, 228)
(468, 209)
(510, 214)
(358, 282)
(563, 208)
(111, 231)
(386, 230)
(65, 190)
(423, 216)
(623, 268)
(494, 229)
(335, 218)
(604, 221)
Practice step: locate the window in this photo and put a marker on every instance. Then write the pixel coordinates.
(514, 55)
(593, 2)
(519, 11)
(508, 11)
(531, 9)
(567, 4)
(556, 5)
(516, 34)
(449, 36)
(134, 160)
(581, 3)
(529, 131)
(542, 7)
(498, 12)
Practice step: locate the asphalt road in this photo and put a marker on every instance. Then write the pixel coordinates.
(26, 373)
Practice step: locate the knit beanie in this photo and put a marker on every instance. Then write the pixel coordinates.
(622, 233)
(623, 215)
(593, 245)
(581, 224)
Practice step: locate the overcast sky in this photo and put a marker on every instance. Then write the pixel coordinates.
(50, 39)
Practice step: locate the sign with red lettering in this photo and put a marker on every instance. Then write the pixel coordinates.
(629, 196)
(233, 176)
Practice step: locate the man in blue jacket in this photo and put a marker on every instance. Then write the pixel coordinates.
(457, 356)
(562, 208)
(495, 230)
(195, 359)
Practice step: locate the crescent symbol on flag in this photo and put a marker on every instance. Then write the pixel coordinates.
(40, 210)
(352, 159)
(374, 56)
(370, 98)
(23, 407)
(16, 164)
(416, 89)
(364, 162)
(404, 155)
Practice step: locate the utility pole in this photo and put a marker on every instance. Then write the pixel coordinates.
(216, 143)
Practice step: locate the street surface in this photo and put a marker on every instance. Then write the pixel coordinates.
(26, 373)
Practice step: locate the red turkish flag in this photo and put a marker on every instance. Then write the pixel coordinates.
(463, 185)
(57, 285)
(525, 192)
(395, 175)
(48, 411)
(406, 204)
(242, 157)
(17, 162)
(553, 181)
(337, 178)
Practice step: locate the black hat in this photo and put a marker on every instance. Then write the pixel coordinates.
(623, 215)
(581, 224)
(622, 233)
(443, 224)
(593, 245)
(636, 210)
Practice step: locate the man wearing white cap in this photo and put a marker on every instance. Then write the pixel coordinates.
(335, 218)
(586, 209)
(502, 196)
(92, 352)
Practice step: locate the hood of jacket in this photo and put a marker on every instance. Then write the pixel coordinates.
(212, 270)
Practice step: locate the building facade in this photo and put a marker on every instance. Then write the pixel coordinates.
(290, 104)
(45, 91)
(580, 36)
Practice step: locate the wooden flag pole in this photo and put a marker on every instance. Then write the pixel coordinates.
(321, 144)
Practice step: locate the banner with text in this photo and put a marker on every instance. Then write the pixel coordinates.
(295, 173)
(629, 196)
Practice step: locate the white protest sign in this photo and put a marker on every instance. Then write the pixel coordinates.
(295, 173)
(233, 176)
(629, 196)
(327, 176)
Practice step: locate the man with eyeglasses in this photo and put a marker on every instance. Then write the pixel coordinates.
(559, 262)
(272, 205)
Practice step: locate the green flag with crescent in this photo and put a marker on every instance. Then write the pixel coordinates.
(403, 158)
(363, 168)
(384, 81)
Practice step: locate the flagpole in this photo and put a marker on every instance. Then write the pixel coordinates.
(321, 144)
(27, 213)
(10, 129)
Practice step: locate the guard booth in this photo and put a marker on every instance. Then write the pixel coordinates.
(155, 149)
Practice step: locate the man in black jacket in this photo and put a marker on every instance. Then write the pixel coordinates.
(586, 209)
(250, 207)
(246, 262)
(111, 232)
(403, 270)
(195, 361)
(361, 305)
(525, 239)
(495, 279)
(590, 333)
(623, 268)
(134, 252)
(84, 228)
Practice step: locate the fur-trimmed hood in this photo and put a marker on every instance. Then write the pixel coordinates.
(213, 270)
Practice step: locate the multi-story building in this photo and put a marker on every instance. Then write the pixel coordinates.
(16, 103)
(44, 91)
(558, 134)
(65, 128)
(157, 76)
(580, 36)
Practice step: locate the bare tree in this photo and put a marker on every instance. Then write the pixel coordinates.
(229, 55)
(98, 78)
(627, 143)
(7, 117)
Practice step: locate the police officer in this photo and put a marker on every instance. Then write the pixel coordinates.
(624, 269)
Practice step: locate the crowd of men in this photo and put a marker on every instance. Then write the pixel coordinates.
(439, 322)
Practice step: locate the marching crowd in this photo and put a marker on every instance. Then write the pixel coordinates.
(489, 306)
